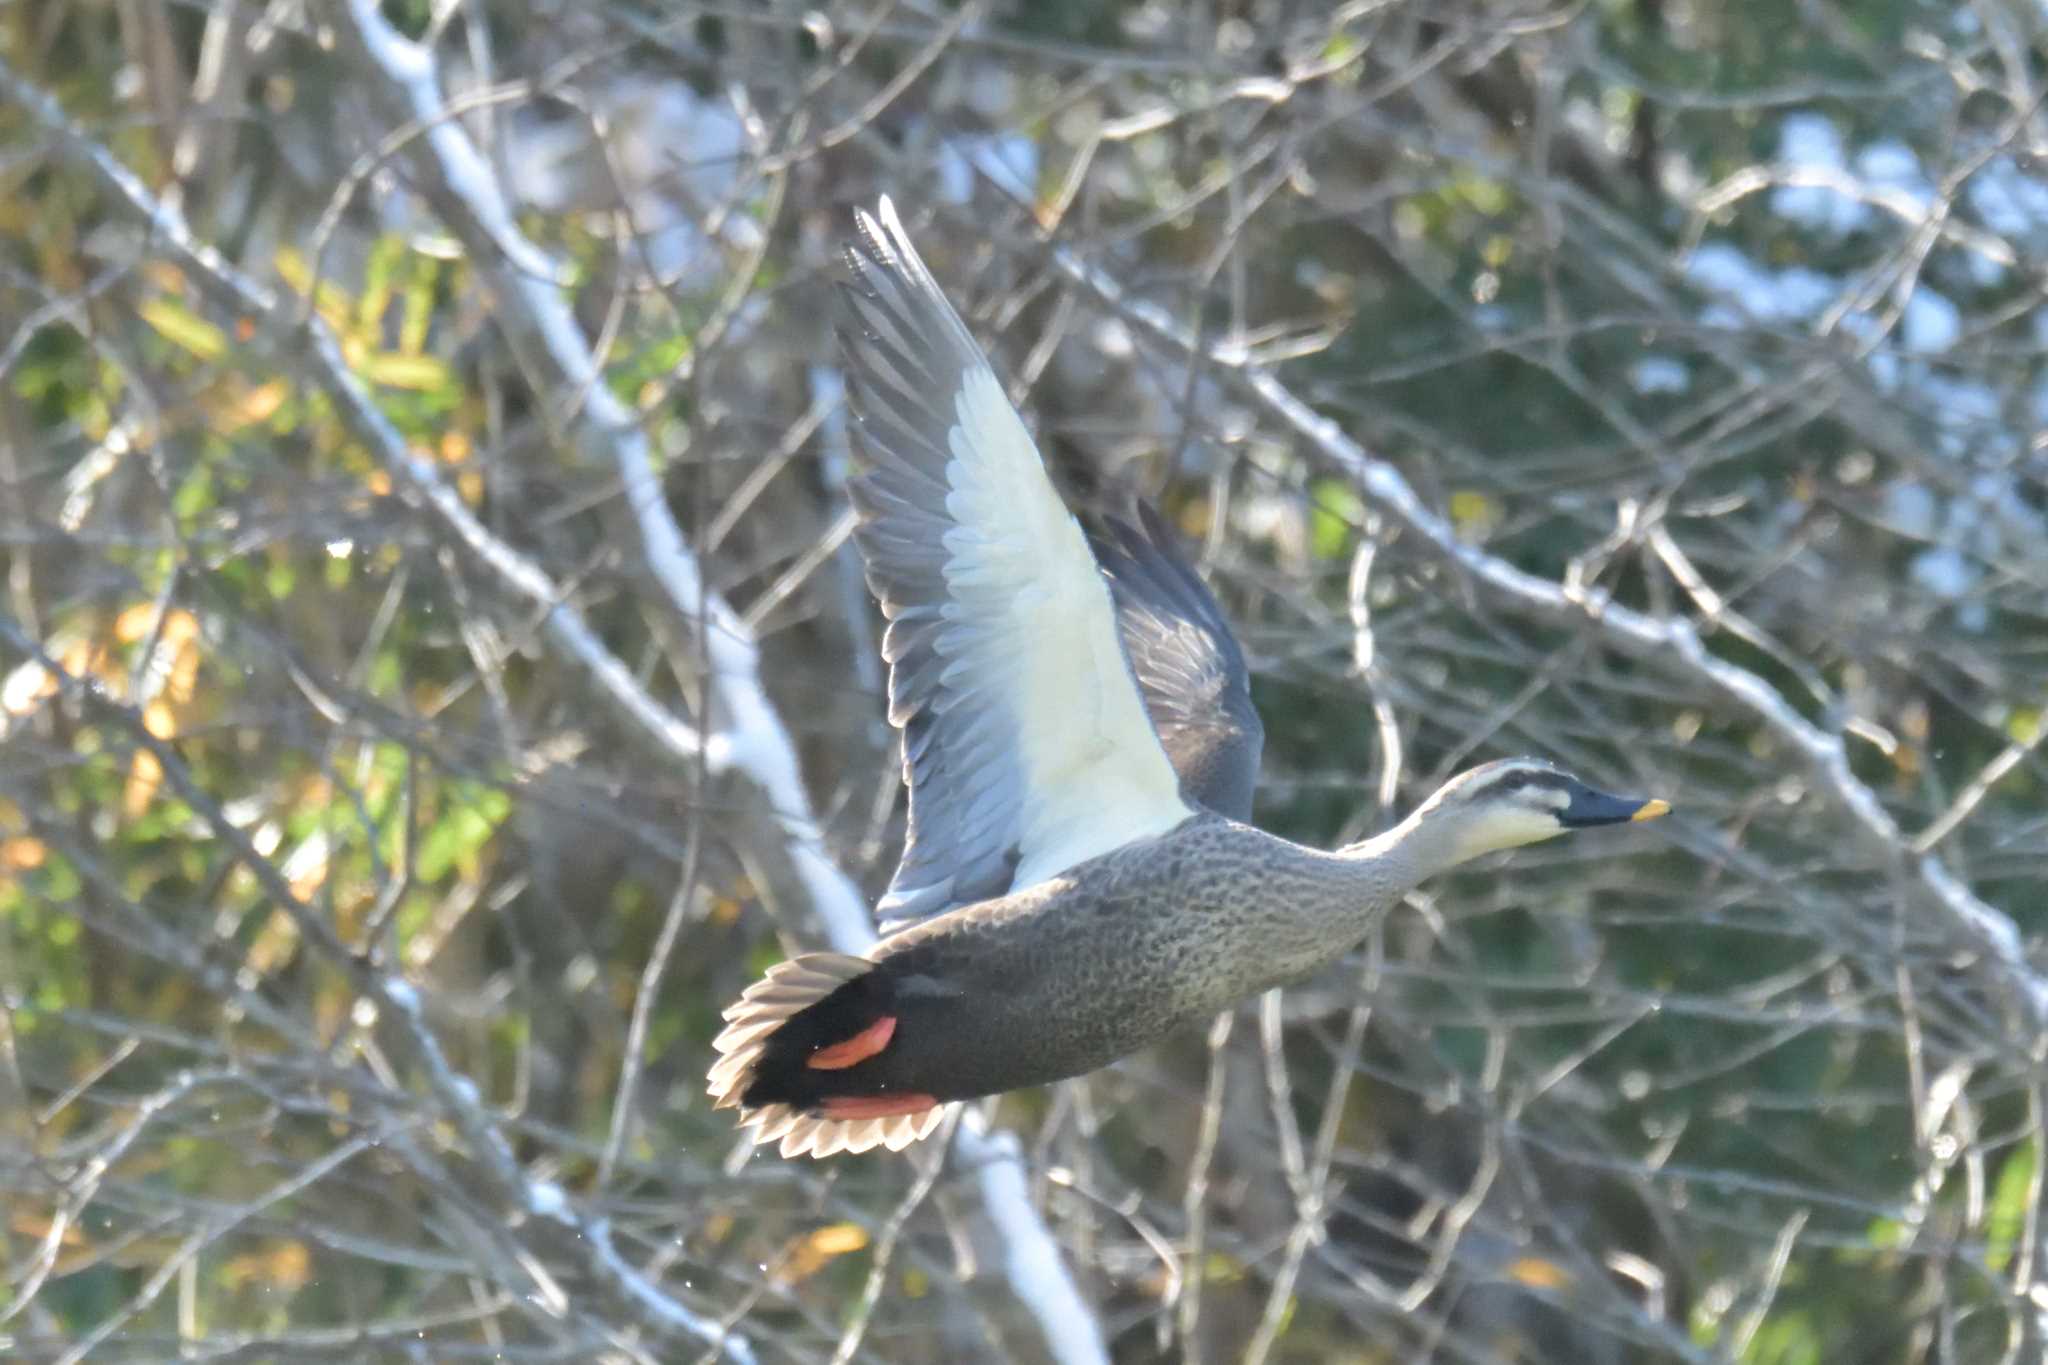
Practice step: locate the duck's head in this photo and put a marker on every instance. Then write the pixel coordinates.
(1517, 801)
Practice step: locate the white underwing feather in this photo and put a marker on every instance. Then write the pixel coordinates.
(1028, 747)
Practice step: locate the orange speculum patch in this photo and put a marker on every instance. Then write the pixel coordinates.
(875, 1106)
(856, 1049)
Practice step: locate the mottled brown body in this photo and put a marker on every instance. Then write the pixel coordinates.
(1068, 975)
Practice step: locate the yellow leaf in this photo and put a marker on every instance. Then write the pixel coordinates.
(1488, 196)
(259, 404)
(329, 300)
(1221, 1268)
(274, 945)
(179, 626)
(306, 868)
(808, 1255)
(291, 267)
(1474, 515)
(290, 1265)
(420, 373)
(184, 674)
(81, 656)
(286, 1266)
(144, 775)
(136, 621)
(164, 276)
(1538, 1273)
(35, 1226)
(133, 622)
(157, 719)
(839, 1238)
(179, 325)
(27, 688)
(21, 854)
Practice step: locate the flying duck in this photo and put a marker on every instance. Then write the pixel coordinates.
(1080, 746)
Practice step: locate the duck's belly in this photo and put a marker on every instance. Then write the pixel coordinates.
(1064, 978)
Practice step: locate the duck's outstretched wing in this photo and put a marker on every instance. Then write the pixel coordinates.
(1189, 666)
(1025, 742)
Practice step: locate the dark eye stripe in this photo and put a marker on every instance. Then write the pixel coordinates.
(1524, 779)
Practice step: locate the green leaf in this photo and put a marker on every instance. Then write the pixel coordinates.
(280, 577)
(1488, 196)
(194, 494)
(1335, 511)
(2007, 1217)
(61, 881)
(419, 309)
(437, 852)
(1784, 1339)
(378, 271)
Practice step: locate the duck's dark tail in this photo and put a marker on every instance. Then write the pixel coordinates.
(787, 1046)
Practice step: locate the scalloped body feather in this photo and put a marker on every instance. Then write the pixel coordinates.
(1052, 981)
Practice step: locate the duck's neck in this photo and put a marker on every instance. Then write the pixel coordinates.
(1408, 854)
(1342, 897)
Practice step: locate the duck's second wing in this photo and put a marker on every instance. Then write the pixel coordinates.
(1188, 664)
(1025, 742)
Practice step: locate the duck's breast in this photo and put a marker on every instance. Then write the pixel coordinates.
(1069, 975)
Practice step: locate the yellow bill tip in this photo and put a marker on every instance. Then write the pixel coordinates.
(1650, 810)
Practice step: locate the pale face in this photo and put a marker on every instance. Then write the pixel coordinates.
(1510, 819)
(1517, 801)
